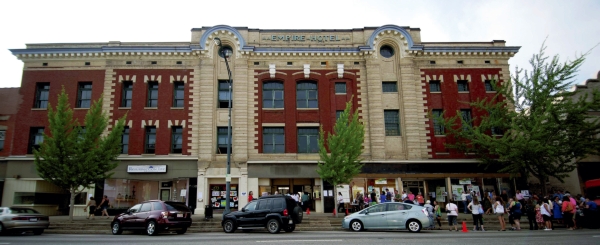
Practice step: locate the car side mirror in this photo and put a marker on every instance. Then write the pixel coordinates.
(243, 209)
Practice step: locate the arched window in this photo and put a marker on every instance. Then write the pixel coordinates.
(272, 95)
(306, 95)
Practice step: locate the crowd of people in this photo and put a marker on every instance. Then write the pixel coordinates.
(541, 211)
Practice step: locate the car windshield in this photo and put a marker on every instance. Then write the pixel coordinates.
(23, 211)
(176, 206)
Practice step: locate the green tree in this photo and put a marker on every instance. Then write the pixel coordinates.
(342, 162)
(74, 157)
(534, 126)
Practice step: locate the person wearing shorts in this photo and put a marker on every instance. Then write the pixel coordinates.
(545, 210)
(92, 205)
(499, 211)
(452, 211)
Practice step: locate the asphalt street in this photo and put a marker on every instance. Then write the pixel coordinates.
(578, 237)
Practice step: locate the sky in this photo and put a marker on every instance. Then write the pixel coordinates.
(570, 28)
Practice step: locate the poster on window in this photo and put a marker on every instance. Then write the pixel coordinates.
(439, 194)
(476, 192)
(215, 193)
(457, 191)
(381, 181)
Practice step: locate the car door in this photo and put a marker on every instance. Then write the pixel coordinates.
(245, 217)
(259, 216)
(142, 215)
(375, 218)
(128, 218)
(396, 215)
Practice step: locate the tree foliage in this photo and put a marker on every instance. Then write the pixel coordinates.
(342, 162)
(74, 157)
(539, 127)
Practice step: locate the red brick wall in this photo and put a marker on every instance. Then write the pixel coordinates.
(163, 113)
(328, 101)
(9, 105)
(450, 100)
(27, 118)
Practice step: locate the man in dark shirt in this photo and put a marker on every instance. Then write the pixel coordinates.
(373, 197)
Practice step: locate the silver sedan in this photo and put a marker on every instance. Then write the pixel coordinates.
(388, 216)
(22, 219)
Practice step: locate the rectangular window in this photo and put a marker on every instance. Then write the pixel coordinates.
(36, 138)
(306, 95)
(338, 114)
(222, 140)
(273, 140)
(176, 139)
(488, 86)
(152, 94)
(434, 86)
(392, 122)
(308, 140)
(438, 126)
(178, 93)
(224, 94)
(340, 88)
(463, 85)
(84, 95)
(497, 131)
(389, 87)
(150, 146)
(466, 116)
(2, 139)
(125, 141)
(42, 92)
(273, 95)
(127, 94)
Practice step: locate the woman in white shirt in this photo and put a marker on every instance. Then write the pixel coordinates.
(499, 211)
(545, 211)
(475, 207)
(341, 202)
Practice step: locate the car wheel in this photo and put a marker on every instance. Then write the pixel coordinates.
(182, 231)
(38, 231)
(229, 226)
(116, 228)
(413, 226)
(273, 226)
(289, 228)
(356, 225)
(151, 228)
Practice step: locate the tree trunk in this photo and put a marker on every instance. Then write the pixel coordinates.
(71, 204)
(335, 192)
(542, 180)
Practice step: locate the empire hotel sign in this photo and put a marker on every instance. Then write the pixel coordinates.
(306, 38)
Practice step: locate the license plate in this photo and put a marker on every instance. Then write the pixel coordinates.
(290, 222)
(33, 219)
(179, 215)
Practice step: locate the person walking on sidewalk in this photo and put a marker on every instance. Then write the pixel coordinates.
(531, 215)
(546, 216)
(429, 209)
(452, 211)
(568, 211)
(340, 199)
(92, 204)
(499, 211)
(104, 206)
(476, 210)
(438, 214)
(516, 212)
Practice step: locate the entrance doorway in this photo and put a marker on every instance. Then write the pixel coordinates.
(165, 194)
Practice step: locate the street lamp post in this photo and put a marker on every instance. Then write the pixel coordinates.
(228, 175)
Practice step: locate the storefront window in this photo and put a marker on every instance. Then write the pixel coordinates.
(218, 196)
(48, 198)
(123, 193)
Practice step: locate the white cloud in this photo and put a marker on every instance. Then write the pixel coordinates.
(572, 27)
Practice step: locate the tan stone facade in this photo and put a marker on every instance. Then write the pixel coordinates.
(325, 56)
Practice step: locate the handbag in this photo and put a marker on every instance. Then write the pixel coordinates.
(480, 210)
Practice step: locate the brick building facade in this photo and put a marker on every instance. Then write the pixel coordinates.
(286, 85)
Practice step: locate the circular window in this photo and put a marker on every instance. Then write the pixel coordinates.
(227, 50)
(386, 51)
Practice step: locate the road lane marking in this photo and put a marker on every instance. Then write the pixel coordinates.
(595, 236)
(278, 241)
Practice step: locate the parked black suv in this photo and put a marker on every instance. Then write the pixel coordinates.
(272, 212)
(154, 216)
